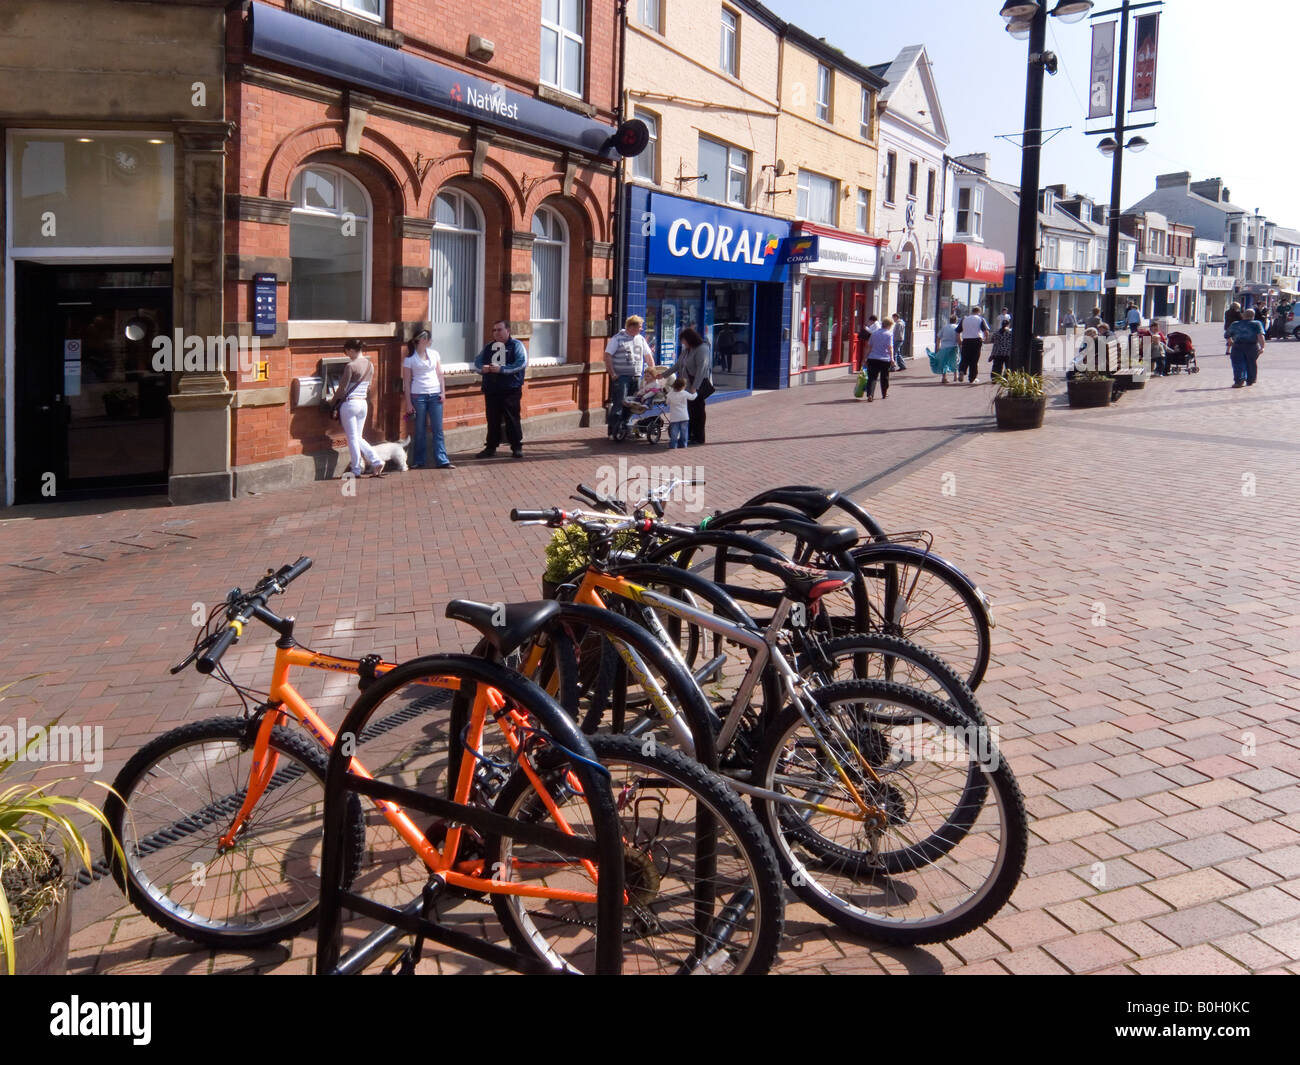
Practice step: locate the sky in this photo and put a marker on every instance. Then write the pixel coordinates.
(1227, 90)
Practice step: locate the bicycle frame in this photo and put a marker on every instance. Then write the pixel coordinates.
(442, 863)
(763, 644)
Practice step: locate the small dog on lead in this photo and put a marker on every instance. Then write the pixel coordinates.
(390, 452)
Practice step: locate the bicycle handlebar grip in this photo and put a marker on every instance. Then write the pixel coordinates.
(590, 493)
(296, 570)
(208, 660)
(553, 514)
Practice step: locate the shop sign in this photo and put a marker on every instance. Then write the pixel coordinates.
(1162, 277)
(1216, 284)
(687, 238)
(802, 249)
(845, 258)
(1051, 281)
(970, 262)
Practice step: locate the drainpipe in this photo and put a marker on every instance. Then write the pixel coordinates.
(939, 320)
(620, 207)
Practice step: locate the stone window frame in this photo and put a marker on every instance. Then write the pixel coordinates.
(367, 268)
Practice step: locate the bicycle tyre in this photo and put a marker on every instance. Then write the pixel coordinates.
(899, 899)
(651, 863)
(172, 904)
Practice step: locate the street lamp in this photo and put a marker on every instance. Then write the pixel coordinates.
(1029, 18)
(1109, 146)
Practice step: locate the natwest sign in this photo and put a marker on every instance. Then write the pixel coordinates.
(971, 262)
(686, 238)
(494, 103)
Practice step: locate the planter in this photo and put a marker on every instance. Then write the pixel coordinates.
(1127, 382)
(1089, 393)
(549, 588)
(1020, 412)
(41, 947)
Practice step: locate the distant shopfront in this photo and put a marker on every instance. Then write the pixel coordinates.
(1060, 292)
(833, 297)
(719, 271)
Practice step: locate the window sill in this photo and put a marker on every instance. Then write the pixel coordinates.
(563, 98)
(362, 26)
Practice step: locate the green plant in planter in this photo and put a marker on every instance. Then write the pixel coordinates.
(569, 551)
(1019, 384)
(1091, 375)
(32, 823)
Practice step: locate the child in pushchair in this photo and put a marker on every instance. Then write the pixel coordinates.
(648, 407)
(1180, 355)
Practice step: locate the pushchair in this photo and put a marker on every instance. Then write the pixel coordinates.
(649, 412)
(1180, 355)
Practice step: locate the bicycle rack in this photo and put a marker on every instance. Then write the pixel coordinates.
(606, 849)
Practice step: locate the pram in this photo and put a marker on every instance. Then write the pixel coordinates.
(649, 412)
(1180, 355)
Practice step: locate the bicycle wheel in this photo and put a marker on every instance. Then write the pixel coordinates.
(704, 894)
(176, 797)
(924, 599)
(937, 864)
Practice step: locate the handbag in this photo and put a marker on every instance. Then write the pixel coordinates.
(706, 389)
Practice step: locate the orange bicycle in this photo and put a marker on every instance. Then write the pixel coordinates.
(222, 821)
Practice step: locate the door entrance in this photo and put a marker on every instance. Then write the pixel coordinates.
(906, 294)
(91, 414)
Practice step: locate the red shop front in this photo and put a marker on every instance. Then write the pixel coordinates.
(965, 270)
(834, 297)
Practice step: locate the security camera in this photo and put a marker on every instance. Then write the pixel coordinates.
(1049, 62)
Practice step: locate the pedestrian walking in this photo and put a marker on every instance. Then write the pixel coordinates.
(880, 359)
(900, 334)
(1231, 315)
(1247, 339)
(627, 357)
(1003, 344)
(944, 361)
(694, 366)
(424, 389)
(502, 363)
(1004, 317)
(974, 330)
(1068, 321)
(1133, 317)
(1094, 319)
(679, 414)
(351, 406)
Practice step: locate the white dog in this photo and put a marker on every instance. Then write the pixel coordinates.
(393, 452)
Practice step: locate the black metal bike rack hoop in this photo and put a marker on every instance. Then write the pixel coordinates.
(606, 849)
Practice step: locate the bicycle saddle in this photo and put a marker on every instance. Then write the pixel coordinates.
(804, 584)
(812, 501)
(821, 538)
(506, 625)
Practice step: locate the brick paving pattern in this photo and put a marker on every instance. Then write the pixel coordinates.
(1145, 675)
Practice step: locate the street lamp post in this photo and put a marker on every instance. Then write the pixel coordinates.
(1029, 17)
(1114, 146)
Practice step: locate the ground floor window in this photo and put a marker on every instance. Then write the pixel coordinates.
(721, 311)
(835, 312)
(456, 292)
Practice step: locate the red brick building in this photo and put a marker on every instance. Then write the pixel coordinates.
(407, 164)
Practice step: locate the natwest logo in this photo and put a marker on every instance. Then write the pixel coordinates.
(494, 103)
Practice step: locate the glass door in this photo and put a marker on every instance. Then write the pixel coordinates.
(93, 415)
(730, 311)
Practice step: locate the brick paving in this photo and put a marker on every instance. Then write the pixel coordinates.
(1145, 675)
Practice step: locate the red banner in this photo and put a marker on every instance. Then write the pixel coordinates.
(1147, 28)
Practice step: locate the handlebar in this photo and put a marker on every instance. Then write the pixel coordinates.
(240, 609)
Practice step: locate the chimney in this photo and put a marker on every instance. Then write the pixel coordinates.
(1211, 189)
(1101, 214)
(975, 161)
(1181, 180)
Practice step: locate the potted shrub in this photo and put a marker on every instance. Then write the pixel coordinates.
(566, 553)
(1020, 400)
(1090, 388)
(37, 841)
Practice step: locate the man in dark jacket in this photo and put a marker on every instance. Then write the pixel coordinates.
(502, 364)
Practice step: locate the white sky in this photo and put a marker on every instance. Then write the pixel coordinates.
(1227, 86)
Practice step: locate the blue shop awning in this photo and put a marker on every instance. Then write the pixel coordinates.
(340, 56)
(1053, 281)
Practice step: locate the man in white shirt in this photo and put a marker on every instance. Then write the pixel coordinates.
(974, 330)
(1133, 319)
(627, 357)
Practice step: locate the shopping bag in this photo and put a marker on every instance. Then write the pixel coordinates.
(860, 389)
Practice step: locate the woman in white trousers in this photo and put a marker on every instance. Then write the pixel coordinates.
(353, 405)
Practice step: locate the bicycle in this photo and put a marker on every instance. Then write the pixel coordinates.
(979, 803)
(221, 821)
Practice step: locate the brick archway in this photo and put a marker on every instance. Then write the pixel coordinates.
(401, 177)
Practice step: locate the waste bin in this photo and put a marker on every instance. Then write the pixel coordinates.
(1036, 356)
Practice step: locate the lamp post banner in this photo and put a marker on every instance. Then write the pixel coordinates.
(1101, 94)
(1147, 31)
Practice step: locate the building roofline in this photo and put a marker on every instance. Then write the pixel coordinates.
(833, 56)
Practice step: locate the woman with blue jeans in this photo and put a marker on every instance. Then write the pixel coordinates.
(424, 389)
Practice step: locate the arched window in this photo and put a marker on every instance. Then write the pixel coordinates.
(456, 292)
(550, 284)
(329, 243)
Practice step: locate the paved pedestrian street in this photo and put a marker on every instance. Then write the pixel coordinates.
(1141, 561)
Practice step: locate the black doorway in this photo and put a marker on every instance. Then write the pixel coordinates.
(92, 415)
